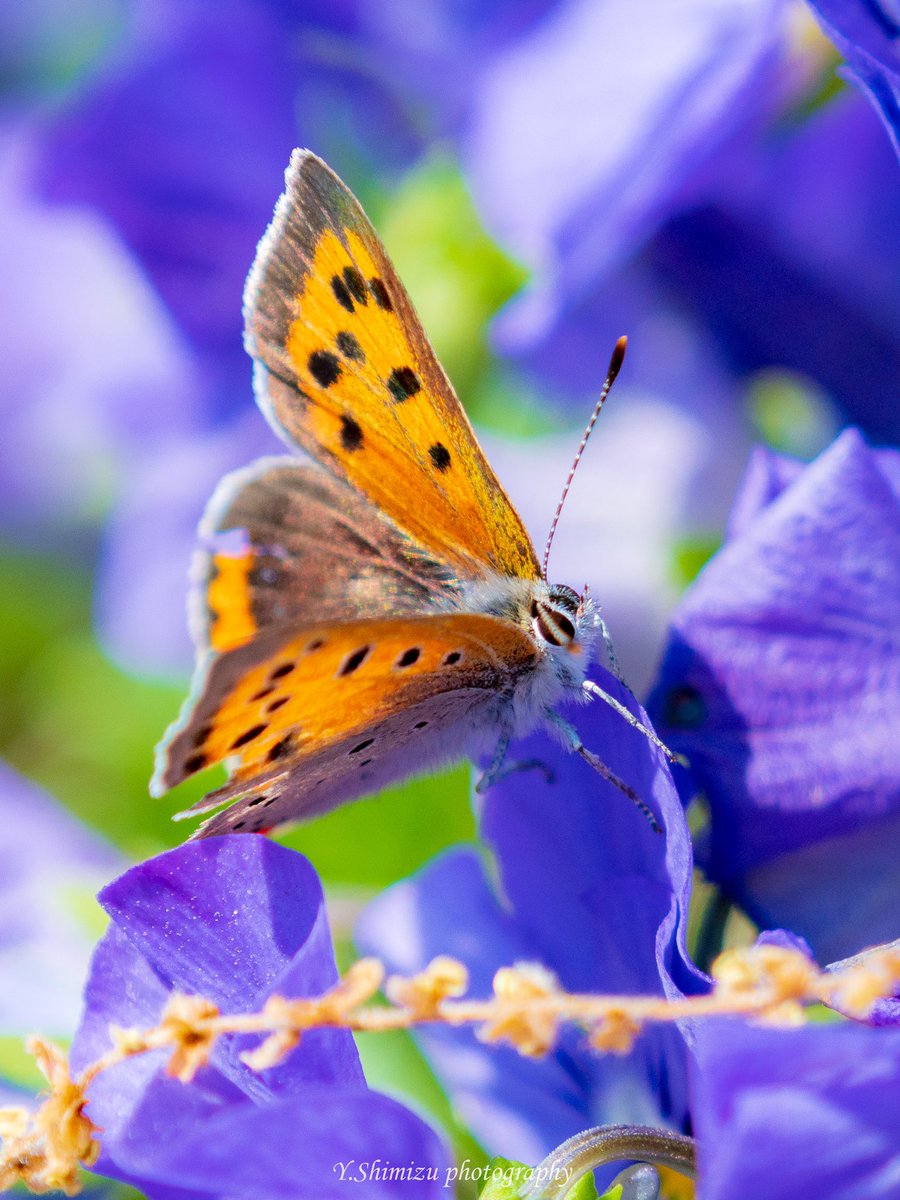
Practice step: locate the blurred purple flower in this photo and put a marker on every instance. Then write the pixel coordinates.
(236, 920)
(761, 265)
(587, 889)
(867, 33)
(750, 276)
(802, 1112)
(94, 367)
(575, 167)
(781, 684)
(181, 141)
(50, 868)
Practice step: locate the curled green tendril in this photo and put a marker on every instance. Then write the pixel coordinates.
(554, 1178)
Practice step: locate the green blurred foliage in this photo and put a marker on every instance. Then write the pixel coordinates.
(791, 413)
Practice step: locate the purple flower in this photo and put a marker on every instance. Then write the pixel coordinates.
(575, 167)
(781, 683)
(587, 889)
(50, 868)
(107, 375)
(801, 1112)
(181, 141)
(867, 34)
(826, 308)
(750, 278)
(235, 920)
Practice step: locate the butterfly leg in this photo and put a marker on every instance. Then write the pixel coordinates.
(610, 651)
(595, 690)
(571, 737)
(500, 768)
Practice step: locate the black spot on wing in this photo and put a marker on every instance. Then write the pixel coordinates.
(341, 293)
(354, 660)
(281, 749)
(350, 347)
(408, 657)
(282, 669)
(362, 746)
(356, 285)
(196, 763)
(324, 367)
(248, 735)
(351, 439)
(380, 292)
(403, 383)
(453, 657)
(440, 456)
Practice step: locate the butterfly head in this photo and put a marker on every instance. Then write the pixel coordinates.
(562, 619)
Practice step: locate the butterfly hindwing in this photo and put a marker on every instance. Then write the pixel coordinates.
(346, 372)
(430, 733)
(309, 548)
(318, 706)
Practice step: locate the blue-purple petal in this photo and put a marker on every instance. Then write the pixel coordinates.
(780, 682)
(589, 890)
(867, 33)
(802, 1112)
(235, 920)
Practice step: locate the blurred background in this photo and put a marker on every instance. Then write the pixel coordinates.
(547, 174)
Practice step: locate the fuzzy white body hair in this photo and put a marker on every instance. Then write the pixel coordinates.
(560, 671)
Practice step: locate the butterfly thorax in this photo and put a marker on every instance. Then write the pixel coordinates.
(561, 623)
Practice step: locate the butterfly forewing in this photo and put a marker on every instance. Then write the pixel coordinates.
(311, 549)
(346, 372)
(321, 706)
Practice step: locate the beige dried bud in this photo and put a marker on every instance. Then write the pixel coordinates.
(128, 1041)
(185, 1025)
(855, 989)
(273, 1050)
(615, 1033)
(289, 1018)
(525, 1019)
(360, 983)
(44, 1149)
(443, 979)
(788, 1014)
(14, 1122)
(767, 974)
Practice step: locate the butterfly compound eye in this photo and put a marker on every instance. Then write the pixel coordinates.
(562, 596)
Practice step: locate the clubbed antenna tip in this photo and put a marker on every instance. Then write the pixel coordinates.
(615, 365)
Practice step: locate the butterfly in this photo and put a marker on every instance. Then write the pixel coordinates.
(375, 608)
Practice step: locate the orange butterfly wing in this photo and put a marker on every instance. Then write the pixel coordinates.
(336, 710)
(345, 371)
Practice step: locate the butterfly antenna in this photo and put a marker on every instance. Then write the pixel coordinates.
(615, 364)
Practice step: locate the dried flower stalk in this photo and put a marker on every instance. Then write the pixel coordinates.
(44, 1148)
